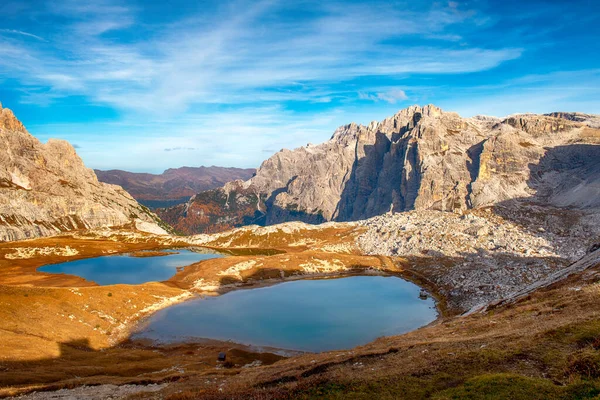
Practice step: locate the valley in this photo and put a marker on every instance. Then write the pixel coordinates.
(80, 323)
(509, 254)
(174, 186)
(299, 200)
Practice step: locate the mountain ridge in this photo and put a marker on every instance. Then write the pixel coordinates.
(174, 185)
(420, 158)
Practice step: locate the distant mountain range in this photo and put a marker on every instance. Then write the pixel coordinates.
(422, 158)
(175, 185)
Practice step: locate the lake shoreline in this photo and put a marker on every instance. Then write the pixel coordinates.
(261, 317)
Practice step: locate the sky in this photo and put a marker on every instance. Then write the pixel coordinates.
(150, 85)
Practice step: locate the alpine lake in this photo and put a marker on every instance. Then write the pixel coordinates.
(307, 315)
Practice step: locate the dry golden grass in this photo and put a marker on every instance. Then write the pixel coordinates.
(23, 271)
(55, 315)
(53, 335)
(290, 239)
(61, 330)
(245, 269)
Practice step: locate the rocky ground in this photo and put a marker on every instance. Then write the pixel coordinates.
(482, 256)
(99, 392)
(465, 260)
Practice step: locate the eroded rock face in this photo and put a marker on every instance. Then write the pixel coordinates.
(422, 158)
(45, 189)
(588, 119)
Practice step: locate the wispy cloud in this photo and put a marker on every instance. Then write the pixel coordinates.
(26, 34)
(235, 79)
(242, 55)
(180, 149)
(391, 96)
(243, 137)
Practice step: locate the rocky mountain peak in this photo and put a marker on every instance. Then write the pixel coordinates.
(9, 121)
(591, 120)
(46, 189)
(428, 110)
(406, 118)
(423, 158)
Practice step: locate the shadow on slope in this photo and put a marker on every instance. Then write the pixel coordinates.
(568, 176)
(566, 201)
(275, 214)
(379, 179)
(127, 363)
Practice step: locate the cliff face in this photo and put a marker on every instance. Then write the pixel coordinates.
(175, 185)
(421, 158)
(45, 189)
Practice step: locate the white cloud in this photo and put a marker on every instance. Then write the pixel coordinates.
(391, 96)
(22, 33)
(236, 138)
(237, 57)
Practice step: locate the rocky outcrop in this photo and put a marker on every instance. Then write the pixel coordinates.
(422, 158)
(588, 119)
(484, 255)
(218, 210)
(45, 189)
(175, 185)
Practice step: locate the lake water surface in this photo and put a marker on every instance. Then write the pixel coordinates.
(305, 315)
(111, 270)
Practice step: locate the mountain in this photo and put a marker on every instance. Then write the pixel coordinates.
(174, 186)
(45, 189)
(422, 158)
(217, 210)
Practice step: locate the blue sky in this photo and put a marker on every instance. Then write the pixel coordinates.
(149, 85)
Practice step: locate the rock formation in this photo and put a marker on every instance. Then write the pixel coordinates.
(217, 210)
(45, 189)
(175, 185)
(422, 158)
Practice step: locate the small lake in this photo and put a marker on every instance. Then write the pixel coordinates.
(128, 269)
(304, 315)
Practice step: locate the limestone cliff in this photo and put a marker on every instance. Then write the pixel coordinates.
(421, 158)
(45, 189)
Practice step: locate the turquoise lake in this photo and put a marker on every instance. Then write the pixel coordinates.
(111, 270)
(303, 315)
